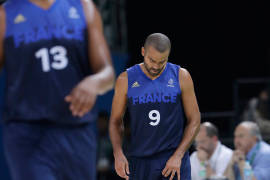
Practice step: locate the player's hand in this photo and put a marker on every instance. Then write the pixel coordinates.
(121, 165)
(83, 97)
(172, 166)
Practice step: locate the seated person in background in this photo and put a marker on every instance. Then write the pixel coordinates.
(211, 157)
(249, 149)
(258, 110)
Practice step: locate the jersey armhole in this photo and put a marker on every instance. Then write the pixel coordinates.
(127, 81)
(179, 82)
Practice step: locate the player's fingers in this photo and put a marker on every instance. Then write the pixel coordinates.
(164, 171)
(127, 168)
(178, 174)
(169, 171)
(90, 102)
(82, 112)
(76, 103)
(172, 174)
(121, 172)
(87, 106)
(68, 98)
(82, 107)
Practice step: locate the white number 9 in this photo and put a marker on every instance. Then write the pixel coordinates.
(155, 118)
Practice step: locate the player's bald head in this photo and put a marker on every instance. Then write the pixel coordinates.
(159, 41)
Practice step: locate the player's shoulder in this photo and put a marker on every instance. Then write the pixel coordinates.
(2, 17)
(123, 75)
(88, 4)
(122, 78)
(122, 81)
(185, 78)
(184, 73)
(2, 11)
(85, 2)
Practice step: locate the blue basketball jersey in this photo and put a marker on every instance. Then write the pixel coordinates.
(156, 114)
(46, 56)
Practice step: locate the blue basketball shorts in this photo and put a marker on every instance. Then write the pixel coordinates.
(150, 168)
(50, 152)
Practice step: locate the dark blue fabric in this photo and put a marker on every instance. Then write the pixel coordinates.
(50, 152)
(46, 56)
(150, 168)
(162, 96)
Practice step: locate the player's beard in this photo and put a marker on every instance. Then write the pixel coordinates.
(153, 72)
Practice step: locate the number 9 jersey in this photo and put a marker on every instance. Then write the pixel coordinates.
(46, 56)
(156, 113)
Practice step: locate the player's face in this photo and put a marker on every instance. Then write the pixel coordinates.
(154, 61)
(205, 142)
(243, 140)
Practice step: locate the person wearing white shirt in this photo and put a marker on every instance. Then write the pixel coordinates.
(211, 157)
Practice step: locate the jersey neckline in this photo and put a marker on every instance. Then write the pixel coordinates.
(42, 9)
(147, 77)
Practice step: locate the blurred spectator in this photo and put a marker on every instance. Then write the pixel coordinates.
(249, 148)
(211, 158)
(258, 110)
(105, 153)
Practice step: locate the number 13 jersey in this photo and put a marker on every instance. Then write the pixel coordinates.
(156, 113)
(46, 56)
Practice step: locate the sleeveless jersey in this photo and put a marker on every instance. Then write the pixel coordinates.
(46, 56)
(156, 114)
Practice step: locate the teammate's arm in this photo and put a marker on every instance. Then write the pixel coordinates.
(192, 113)
(83, 96)
(99, 54)
(116, 124)
(2, 34)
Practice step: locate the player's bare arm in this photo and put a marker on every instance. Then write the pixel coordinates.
(191, 109)
(2, 34)
(192, 113)
(116, 124)
(99, 54)
(83, 96)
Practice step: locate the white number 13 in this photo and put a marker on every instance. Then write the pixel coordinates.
(155, 118)
(60, 60)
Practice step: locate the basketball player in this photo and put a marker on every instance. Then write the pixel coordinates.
(47, 48)
(158, 94)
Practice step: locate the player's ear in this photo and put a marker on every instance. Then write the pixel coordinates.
(143, 51)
